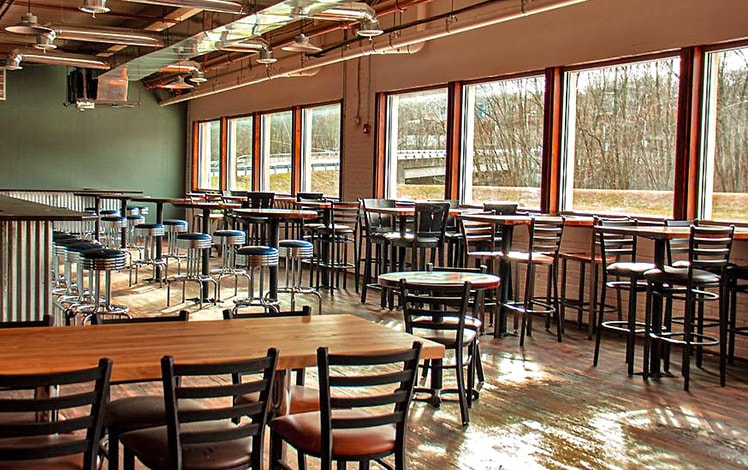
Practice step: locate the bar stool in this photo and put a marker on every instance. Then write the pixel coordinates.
(133, 220)
(84, 296)
(111, 226)
(71, 289)
(143, 210)
(256, 258)
(132, 210)
(333, 242)
(228, 240)
(88, 226)
(97, 261)
(294, 252)
(150, 234)
(108, 212)
(58, 256)
(172, 228)
(737, 283)
(194, 244)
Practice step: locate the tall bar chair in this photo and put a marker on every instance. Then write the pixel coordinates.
(98, 261)
(373, 240)
(172, 228)
(228, 241)
(194, 244)
(148, 235)
(545, 234)
(256, 259)
(295, 252)
(334, 241)
(702, 280)
(428, 234)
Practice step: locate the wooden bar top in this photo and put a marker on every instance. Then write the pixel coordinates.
(19, 209)
(137, 348)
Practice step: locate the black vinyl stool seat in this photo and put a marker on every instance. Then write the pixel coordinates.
(361, 418)
(221, 435)
(57, 444)
(703, 279)
(256, 258)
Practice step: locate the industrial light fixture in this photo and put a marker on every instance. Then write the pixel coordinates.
(59, 58)
(29, 24)
(266, 57)
(13, 62)
(130, 37)
(251, 46)
(45, 41)
(198, 77)
(178, 84)
(369, 28)
(301, 44)
(94, 7)
(186, 66)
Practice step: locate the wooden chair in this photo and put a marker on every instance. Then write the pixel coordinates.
(54, 443)
(137, 412)
(362, 417)
(439, 313)
(207, 437)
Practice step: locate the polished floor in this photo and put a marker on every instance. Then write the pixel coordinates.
(545, 406)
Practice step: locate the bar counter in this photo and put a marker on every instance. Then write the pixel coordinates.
(25, 256)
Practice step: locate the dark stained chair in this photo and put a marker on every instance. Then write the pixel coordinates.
(439, 313)
(363, 413)
(137, 412)
(255, 226)
(428, 234)
(222, 434)
(373, 239)
(54, 444)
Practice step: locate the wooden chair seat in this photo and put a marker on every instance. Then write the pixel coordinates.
(447, 337)
(524, 257)
(65, 462)
(131, 413)
(304, 431)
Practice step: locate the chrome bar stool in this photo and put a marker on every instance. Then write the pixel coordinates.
(132, 210)
(133, 220)
(83, 293)
(150, 235)
(294, 252)
(256, 258)
(58, 256)
(111, 226)
(194, 244)
(172, 228)
(228, 240)
(97, 261)
(71, 289)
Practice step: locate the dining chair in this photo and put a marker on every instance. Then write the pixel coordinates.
(364, 401)
(428, 234)
(373, 239)
(134, 412)
(255, 227)
(439, 313)
(69, 428)
(220, 435)
(700, 279)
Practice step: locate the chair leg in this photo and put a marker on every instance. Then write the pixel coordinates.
(599, 325)
(276, 451)
(461, 392)
(113, 451)
(128, 462)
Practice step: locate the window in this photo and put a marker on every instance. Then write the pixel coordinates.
(209, 155)
(620, 139)
(239, 148)
(276, 152)
(725, 181)
(321, 149)
(417, 143)
(503, 141)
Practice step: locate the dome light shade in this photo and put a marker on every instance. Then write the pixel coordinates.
(13, 62)
(369, 28)
(28, 25)
(301, 44)
(198, 77)
(45, 41)
(179, 84)
(94, 7)
(266, 57)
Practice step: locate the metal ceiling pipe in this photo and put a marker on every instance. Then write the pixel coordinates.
(130, 37)
(389, 44)
(220, 6)
(59, 58)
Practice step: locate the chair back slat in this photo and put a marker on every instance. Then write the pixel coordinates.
(79, 396)
(431, 219)
(545, 235)
(709, 248)
(259, 200)
(621, 247)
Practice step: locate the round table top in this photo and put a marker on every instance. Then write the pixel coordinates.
(440, 278)
(277, 213)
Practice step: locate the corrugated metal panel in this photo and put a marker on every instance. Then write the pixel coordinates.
(25, 270)
(64, 199)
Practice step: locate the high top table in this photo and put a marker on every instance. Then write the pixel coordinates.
(121, 196)
(274, 216)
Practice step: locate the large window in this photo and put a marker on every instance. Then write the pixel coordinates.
(620, 144)
(417, 143)
(239, 148)
(725, 182)
(276, 151)
(503, 139)
(321, 149)
(209, 155)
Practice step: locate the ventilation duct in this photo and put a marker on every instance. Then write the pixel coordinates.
(59, 58)
(130, 37)
(87, 91)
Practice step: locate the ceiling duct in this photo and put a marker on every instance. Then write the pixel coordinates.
(243, 29)
(87, 91)
(59, 58)
(220, 6)
(130, 37)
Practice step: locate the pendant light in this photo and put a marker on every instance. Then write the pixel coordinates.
(301, 44)
(29, 24)
(94, 7)
(179, 84)
(45, 41)
(266, 56)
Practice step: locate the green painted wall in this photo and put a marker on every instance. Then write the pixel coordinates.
(45, 145)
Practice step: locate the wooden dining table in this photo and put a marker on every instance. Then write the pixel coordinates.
(137, 348)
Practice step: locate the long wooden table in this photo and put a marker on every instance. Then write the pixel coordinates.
(136, 349)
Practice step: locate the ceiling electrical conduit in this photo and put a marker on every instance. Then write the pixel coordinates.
(404, 44)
